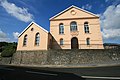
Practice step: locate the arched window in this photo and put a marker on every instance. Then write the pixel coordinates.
(25, 40)
(37, 39)
(88, 41)
(86, 27)
(73, 26)
(61, 41)
(61, 28)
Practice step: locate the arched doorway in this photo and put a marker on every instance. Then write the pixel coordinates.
(74, 43)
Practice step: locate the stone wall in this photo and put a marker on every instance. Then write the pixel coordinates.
(5, 60)
(30, 57)
(66, 57)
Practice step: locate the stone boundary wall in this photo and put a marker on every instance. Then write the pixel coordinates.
(63, 57)
(5, 60)
(66, 57)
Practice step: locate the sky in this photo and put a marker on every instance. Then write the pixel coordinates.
(15, 16)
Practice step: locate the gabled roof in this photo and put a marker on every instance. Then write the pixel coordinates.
(29, 26)
(70, 8)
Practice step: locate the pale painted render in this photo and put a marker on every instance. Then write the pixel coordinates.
(31, 32)
(73, 28)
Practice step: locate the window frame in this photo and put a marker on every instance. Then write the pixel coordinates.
(25, 40)
(88, 41)
(61, 41)
(73, 26)
(61, 28)
(37, 39)
(86, 27)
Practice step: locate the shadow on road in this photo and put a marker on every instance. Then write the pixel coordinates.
(29, 74)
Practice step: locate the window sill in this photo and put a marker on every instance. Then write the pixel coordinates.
(88, 45)
(61, 34)
(87, 33)
(74, 31)
(62, 45)
(37, 45)
(24, 46)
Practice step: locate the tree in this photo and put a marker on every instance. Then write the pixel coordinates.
(9, 50)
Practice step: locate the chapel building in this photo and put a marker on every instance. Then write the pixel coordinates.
(73, 28)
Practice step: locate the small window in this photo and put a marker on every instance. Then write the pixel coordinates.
(61, 28)
(61, 41)
(25, 40)
(86, 27)
(37, 39)
(32, 29)
(73, 26)
(88, 41)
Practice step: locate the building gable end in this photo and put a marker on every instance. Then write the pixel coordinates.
(62, 12)
(30, 26)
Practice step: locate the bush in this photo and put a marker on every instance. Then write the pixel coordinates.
(2, 45)
(8, 51)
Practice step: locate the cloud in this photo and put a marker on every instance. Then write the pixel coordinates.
(106, 0)
(15, 34)
(87, 6)
(18, 12)
(3, 36)
(114, 2)
(111, 34)
(110, 22)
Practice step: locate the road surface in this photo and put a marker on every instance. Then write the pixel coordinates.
(87, 73)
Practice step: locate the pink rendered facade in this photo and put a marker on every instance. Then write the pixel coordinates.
(73, 28)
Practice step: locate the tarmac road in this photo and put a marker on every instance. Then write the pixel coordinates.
(85, 73)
